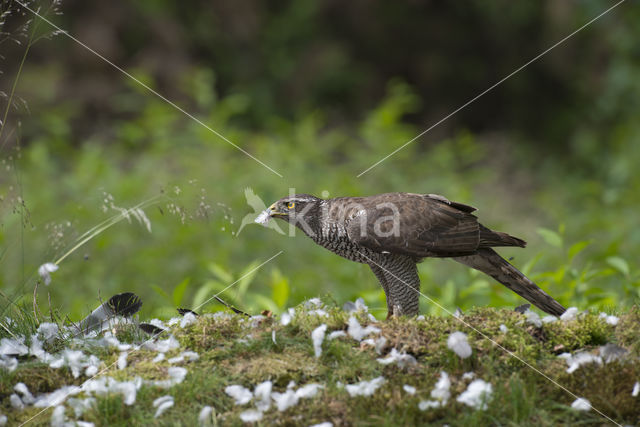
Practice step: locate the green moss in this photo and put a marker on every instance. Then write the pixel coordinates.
(236, 350)
(586, 330)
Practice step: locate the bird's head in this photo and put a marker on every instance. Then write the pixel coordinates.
(294, 208)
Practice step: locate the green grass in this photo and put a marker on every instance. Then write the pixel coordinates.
(233, 352)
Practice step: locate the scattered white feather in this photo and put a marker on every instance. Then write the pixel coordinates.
(477, 394)
(80, 406)
(570, 314)
(533, 318)
(549, 319)
(308, 391)
(287, 316)
(427, 404)
(174, 321)
(188, 319)
(251, 416)
(191, 356)
(365, 388)
(27, 397)
(262, 395)
(257, 320)
(503, 329)
(610, 352)
(16, 402)
(240, 394)
(468, 375)
(317, 336)
(104, 385)
(402, 359)
(205, 415)
(380, 344)
(263, 218)
(76, 360)
(8, 363)
(47, 331)
(458, 313)
(3, 420)
(458, 343)
(409, 389)
(162, 403)
(318, 312)
(636, 389)
(58, 418)
(324, 424)
(441, 391)
(109, 340)
(285, 319)
(56, 397)
(128, 389)
(613, 320)
(177, 359)
(176, 376)
(158, 358)
(273, 337)
(313, 302)
(610, 319)
(13, 347)
(581, 404)
(369, 341)
(579, 359)
(36, 350)
(357, 332)
(356, 306)
(162, 346)
(285, 400)
(336, 334)
(45, 271)
(162, 399)
(420, 318)
(122, 360)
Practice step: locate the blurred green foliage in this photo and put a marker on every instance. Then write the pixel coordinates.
(566, 180)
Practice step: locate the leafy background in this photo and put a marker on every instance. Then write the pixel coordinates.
(319, 91)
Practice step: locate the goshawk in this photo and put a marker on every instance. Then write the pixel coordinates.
(392, 232)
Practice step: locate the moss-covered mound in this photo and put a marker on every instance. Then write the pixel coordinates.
(387, 374)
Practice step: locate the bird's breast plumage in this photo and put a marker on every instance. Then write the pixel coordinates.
(333, 236)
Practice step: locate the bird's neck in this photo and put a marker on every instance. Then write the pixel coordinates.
(320, 225)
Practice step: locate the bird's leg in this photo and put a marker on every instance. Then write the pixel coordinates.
(403, 286)
(383, 282)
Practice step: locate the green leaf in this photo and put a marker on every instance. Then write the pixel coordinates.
(477, 286)
(246, 277)
(161, 292)
(449, 294)
(526, 269)
(178, 291)
(206, 292)
(550, 237)
(280, 291)
(576, 248)
(220, 273)
(260, 302)
(619, 264)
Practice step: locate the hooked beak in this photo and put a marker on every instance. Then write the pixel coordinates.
(273, 211)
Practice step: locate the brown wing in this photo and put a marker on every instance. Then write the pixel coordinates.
(415, 224)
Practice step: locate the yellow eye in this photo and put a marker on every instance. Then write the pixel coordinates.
(291, 205)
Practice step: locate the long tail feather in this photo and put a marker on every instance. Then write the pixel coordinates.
(489, 262)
